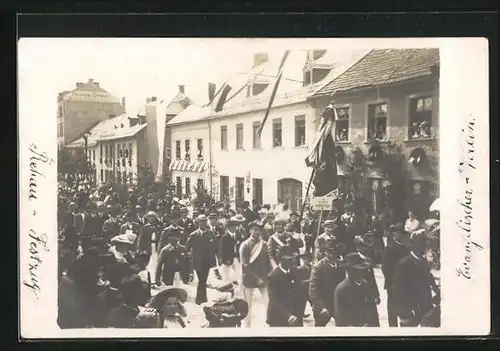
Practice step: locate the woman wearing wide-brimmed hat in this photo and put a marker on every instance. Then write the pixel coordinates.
(170, 305)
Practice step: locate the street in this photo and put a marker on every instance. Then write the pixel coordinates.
(258, 310)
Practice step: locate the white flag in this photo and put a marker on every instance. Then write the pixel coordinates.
(161, 119)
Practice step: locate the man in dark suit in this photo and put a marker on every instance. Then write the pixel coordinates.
(82, 222)
(285, 306)
(228, 249)
(281, 238)
(249, 215)
(186, 223)
(395, 251)
(173, 229)
(218, 229)
(353, 299)
(325, 276)
(201, 245)
(173, 264)
(413, 283)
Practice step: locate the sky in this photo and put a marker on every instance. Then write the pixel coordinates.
(137, 68)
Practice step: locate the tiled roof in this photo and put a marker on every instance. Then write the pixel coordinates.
(384, 66)
(106, 130)
(289, 92)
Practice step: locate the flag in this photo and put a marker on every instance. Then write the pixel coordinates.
(322, 156)
(222, 100)
(161, 121)
(273, 94)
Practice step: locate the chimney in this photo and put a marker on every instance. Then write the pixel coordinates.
(91, 80)
(153, 98)
(260, 58)
(79, 84)
(181, 89)
(124, 104)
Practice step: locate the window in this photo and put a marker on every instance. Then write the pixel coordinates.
(168, 153)
(130, 152)
(102, 175)
(342, 123)
(187, 150)
(93, 155)
(178, 186)
(256, 136)
(224, 186)
(240, 187)
(223, 138)
(100, 155)
(199, 147)
(277, 134)
(178, 149)
(200, 184)
(300, 130)
(239, 136)
(420, 117)
(257, 191)
(106, 152)
(377, 122)
(188, 186)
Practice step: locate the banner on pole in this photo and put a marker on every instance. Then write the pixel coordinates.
(324, 203)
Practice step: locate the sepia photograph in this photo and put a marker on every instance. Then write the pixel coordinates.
(244, 183)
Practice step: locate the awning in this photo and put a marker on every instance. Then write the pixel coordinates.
(188, 166)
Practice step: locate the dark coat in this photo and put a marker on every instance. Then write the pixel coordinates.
(144, 238)
(170, 260)
(83, 224)
(122, 317)
(354, 306)
(284, 297)
(258, 269)
(412, 284)
(249, 215)
(201, 244)
(163, 240)
(393, 254)
(229, 247)
(189, 226)
(325, 277)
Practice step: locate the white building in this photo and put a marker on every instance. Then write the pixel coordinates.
(116, 148)
(237, 164)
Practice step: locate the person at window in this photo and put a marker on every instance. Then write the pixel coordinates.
(413, 283)
(201, 245)
(397, 248)
(255, 266)
(412, 223)
(284, 308)
(326, 275)
(353, 300)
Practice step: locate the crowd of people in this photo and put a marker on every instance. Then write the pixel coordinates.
(108, 242)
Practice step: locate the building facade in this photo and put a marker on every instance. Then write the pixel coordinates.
(116, 148)
(388, 113)
(236, 163)
(81, 109)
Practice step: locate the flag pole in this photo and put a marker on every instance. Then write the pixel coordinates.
(307, 194)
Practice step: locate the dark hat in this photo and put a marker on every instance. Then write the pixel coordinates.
(255, 224)
(418, 237)
(355, 261)
(286, 252)
(159, 299)
(294, 214)
(174, 215)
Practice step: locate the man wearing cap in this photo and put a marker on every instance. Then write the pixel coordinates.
(330, 226)
(201, 245)
(255, 267)
(365, 249)
(186, 223)
(395, 251)
(413, 283)
(353, 300)
(173, 229)
(281, 238)
(285, 306)
(172, 266)
(228, 249)
(326, 275)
